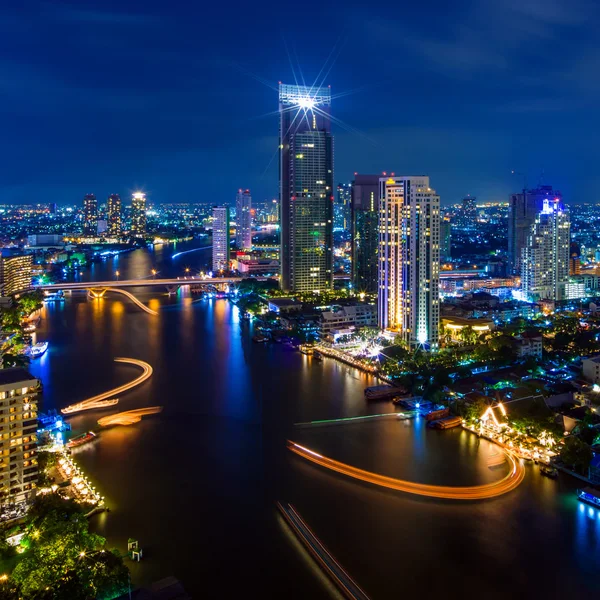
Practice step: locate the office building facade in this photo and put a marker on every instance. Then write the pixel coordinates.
(18, 424)
(364, 220)
(445, 240)
(305, 188)
(243, 220)
(341, 210)
(15, 274)
(221, 247)
(523, 209)
(138, 214)
(114, 215)
(545, 257)
(409, 260)
(90, 214)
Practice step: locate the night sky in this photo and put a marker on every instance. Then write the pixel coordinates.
(173, 97)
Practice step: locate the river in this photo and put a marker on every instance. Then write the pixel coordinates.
(197, 484)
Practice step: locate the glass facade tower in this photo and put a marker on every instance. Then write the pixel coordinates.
(305, 188)
(243, 220)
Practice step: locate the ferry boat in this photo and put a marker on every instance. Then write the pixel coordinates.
(317, 355)
(38, 349)
(549, 471)
(84, 438)
(589, 495)
(260, 339)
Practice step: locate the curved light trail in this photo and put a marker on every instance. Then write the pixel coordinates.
(188, 251)
(99, 401)
(477, 492)
(129, 417)
(128, 295)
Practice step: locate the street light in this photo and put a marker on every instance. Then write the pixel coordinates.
(117, 274)
(154, 273)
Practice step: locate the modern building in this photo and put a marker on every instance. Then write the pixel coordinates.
(348, 318)
(243, 220)
(220, 238)
(18, 424)
(523, 209)
(409, 259)
(256, 266)
(15, 274)
(445, 240)
(545, 257)
(591, 369)
(138, 214)
(305, 188)
(45, 240)
(341, 210)
(90, 214)
(364, 219)
(113, 210)
(469, 210)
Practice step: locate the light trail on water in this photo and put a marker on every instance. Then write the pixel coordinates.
(477, 492)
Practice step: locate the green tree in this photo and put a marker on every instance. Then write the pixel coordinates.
(577, 454)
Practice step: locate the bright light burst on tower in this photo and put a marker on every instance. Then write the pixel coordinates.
(306, 103)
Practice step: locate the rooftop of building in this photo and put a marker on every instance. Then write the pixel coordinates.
(15, 375)
(595, 359)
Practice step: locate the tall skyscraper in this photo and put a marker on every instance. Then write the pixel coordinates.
(138, 214)
(364, 219)
(545, 257)
(18, 469)
(243, 220)
(341, 210)
(445, 240)
(305, 188)
(409, 259)
(90, 214)
(523, 209)
(469, 211)
(15, 274)
(113, 209)
(220, 225)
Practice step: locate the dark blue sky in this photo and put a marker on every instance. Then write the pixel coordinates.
(111, 96)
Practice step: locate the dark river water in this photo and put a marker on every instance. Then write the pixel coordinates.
(197, 484)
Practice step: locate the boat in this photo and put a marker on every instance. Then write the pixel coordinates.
(305, 349)
(382, 392)
(447, 423)
(260, 339)
(73, 408)
(589, 495)
(437, 414)
(317, 355)
(549, 471)
(38, 349)
(84, 438)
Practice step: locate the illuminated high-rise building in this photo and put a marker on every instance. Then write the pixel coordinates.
(469, 211)
(409, 260)
(305, 188)
(18, 467)
(523, 209)
(545, 257)
(90, 214)
(138, 214)
(15, 274)
(445, 240)
(113, 209)
(220, 241)
(341, 210)
(243, 220)
(364, 221)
